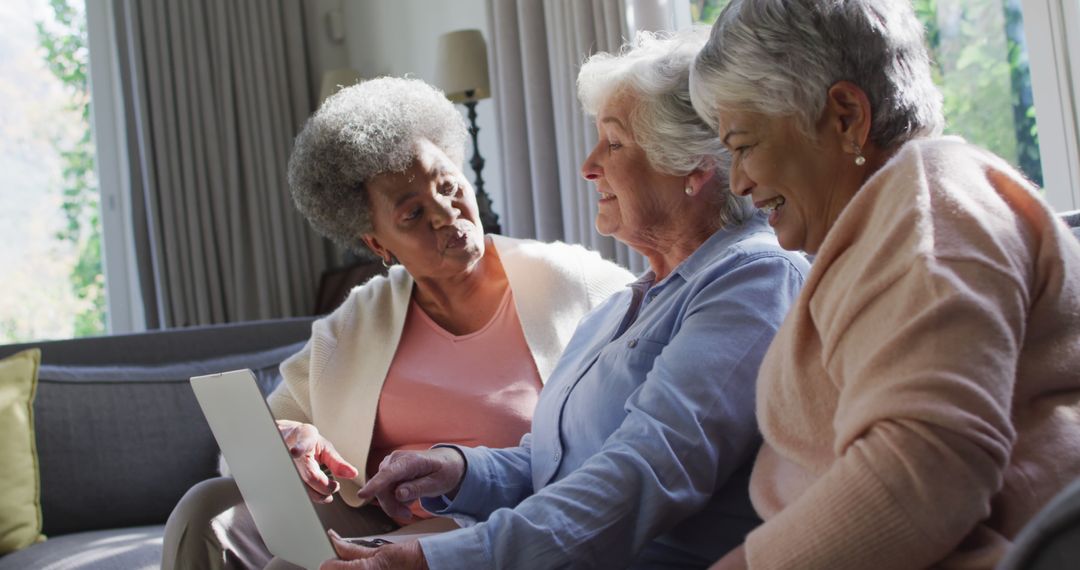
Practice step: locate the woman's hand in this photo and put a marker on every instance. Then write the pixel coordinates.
(310, 450)
(734, 560)
(405, 556)
(405, 476)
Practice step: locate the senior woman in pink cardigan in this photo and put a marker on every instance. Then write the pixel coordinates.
(921, 401)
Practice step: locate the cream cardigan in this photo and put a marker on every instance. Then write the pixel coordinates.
(335, 381)
(922, 399)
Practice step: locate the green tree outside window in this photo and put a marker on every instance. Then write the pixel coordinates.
(63, 41)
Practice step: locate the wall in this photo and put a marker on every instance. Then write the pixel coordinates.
(398, 37)
(324, 51)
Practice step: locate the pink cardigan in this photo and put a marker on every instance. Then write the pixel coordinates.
(922, 400)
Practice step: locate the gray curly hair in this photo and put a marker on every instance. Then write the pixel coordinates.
(780, 57)
(655, 67)
(358, 133)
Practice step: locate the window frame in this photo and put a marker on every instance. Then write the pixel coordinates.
(1054, 77)
(122, 294)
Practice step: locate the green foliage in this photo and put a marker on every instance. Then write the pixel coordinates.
(64, 42)
(1027, 133)
(706, 11)
(926, 11)
(981, 66)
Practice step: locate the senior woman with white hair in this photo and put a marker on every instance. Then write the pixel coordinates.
(921, 402)
(641, 440)
(453, 344)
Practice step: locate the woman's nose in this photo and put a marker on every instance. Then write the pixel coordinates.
(590, 170)
(443, 211)
(741, 185)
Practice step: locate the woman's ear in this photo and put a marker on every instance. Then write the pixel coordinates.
(376, 247)
(848, 114)
(699, 178)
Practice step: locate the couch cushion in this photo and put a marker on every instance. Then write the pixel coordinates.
(20, 506)
(1072, 219)
(118, 549)
(119, 445)
(171, 345)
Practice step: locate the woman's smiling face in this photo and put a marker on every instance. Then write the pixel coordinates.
(794, 178)
(426, 216)
(636, 201)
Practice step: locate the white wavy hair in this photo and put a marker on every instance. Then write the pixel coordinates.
(358, 133)
(655, 68)
(780, 57)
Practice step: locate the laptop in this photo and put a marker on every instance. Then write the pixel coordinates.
(264, 471)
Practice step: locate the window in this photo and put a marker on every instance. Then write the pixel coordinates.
(51, 283)
(706, 11)
(981, 65)
(980, 60)
(1055, 76)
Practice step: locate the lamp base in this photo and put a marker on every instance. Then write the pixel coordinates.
(488, 218)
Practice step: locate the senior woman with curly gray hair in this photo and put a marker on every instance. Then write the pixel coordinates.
(641, 441)
(921, 402)
(452, 345)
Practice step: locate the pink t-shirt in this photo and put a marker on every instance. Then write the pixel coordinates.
(474, 389)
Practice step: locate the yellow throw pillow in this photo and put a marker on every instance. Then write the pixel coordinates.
(20, 491)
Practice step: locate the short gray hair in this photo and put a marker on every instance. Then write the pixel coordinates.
(780, 57)
(656, 69)
(358, 133)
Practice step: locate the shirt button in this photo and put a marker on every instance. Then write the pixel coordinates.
(557, 455)
(632, 343)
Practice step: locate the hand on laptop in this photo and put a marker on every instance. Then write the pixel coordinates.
(310, 451)
(405, 556)
(405, 476)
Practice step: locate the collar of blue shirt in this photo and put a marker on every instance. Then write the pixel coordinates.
(716, 244)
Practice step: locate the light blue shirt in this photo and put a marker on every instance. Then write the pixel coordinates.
(643, 437)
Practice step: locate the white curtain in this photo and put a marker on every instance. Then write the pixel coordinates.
(213, 94)
(536, 51)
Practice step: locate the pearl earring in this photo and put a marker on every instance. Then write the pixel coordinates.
(859, 158)
(689, 190)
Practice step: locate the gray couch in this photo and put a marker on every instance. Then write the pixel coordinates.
(1073, 220)
(120, 437)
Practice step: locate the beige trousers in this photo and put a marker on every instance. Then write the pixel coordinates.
(211, 529)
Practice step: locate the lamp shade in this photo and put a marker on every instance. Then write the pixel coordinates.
(335, 79)
(462, 65)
